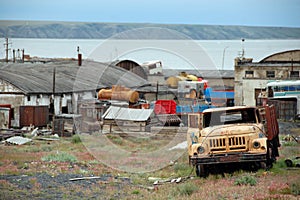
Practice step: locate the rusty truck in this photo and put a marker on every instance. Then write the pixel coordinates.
(230, 136)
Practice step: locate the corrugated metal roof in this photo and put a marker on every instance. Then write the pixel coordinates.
(128, 114)
(38, 77)
(201, 73)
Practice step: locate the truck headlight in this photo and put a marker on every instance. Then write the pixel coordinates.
(200, 149)
(256, 145)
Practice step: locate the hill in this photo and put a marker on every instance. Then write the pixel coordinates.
(86, 30)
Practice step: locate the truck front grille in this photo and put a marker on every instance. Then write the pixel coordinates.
(227, 144)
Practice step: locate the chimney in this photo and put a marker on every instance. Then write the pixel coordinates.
(79, 57)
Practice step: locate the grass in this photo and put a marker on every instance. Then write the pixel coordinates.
(71, 156)
(246, 180)
(60, 157)
(184, 189)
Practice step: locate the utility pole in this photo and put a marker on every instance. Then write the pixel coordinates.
(53, 97)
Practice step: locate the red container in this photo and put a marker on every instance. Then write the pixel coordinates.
(165, 107)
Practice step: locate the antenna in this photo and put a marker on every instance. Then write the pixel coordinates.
(243, 50)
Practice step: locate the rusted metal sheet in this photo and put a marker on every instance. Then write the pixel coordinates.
(272, 128)
(34, 115)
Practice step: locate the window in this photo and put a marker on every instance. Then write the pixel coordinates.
(270, 74)
(294, 74)
(249, 74)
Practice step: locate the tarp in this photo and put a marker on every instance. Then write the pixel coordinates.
(128, 114)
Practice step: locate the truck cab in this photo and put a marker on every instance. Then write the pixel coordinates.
(229, 135)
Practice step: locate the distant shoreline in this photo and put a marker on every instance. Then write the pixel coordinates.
(92, 30)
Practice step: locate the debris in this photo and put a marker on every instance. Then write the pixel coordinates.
(295, 162)
(86, 178)
(290, 138)
(47, 138)
(158, 181)
(34, 132)
(182, 145)
(178, 180)
(18, 140)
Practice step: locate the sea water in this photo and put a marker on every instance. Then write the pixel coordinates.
(181, 54)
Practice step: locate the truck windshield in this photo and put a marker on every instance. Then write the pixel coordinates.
(229, 117)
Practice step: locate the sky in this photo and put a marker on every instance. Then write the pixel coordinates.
(279, 13)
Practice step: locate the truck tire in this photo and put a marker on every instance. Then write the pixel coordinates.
(201, 171)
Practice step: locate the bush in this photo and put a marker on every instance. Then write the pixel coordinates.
(76, 139)
(185, 189)
(59, 157)
(245, 180)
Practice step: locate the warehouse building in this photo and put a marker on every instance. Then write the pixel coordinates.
(251, 78)
(33, 92)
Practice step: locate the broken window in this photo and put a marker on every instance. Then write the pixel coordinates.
(270, 74)
(249, 74)
(294, 74)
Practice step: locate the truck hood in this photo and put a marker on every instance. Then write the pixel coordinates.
(231, 129)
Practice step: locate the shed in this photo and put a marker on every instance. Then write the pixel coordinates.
(127, 118)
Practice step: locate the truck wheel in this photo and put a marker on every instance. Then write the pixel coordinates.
(200, 171)
(263, 165)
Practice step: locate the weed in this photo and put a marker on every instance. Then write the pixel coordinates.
(182, 169)
(279, 188)
(135, 192)
(115, 139)
(76, 139)
(295, 188)
(185, 189)
(47, 148)
(60, 157)
(279, 167)
(289, 144)
(246, 180)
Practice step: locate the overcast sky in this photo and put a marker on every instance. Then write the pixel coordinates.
(282, 13)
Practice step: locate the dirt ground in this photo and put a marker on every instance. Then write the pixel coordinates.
(25, 174)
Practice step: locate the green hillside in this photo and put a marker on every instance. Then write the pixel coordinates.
(47, 29)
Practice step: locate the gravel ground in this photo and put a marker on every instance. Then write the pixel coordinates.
(45, 186)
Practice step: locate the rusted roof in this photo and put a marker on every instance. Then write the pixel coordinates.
(38, 77)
